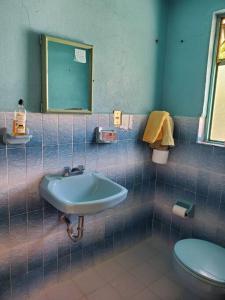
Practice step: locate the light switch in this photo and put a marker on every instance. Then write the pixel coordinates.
(117, 114)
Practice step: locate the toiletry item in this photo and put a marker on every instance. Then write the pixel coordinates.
(19, 121)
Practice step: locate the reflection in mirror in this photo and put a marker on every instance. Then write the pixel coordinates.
(66, 76)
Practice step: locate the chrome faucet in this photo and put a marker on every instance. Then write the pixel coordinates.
(74, 171)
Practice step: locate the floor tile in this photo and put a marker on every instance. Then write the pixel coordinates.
(142, 253)
(130, 259)
(166, 289)
(161, 263)
(126, 260)
(89, 281)
(146, 294)
(106, 292)
(146, 273)
(158, 243)
(172, 275)
(187, 295)
(143, 272)
(127, 285)
(145, 250)
(65, 290)
(109, 270)
(38, 296)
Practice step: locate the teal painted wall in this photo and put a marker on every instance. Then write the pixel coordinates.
(128, 63)
(185, 63)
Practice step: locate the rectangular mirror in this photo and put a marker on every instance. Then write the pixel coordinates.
(66, 76)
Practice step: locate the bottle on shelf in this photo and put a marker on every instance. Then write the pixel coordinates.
(19, 120)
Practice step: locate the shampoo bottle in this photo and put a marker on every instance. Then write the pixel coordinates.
(19, 121)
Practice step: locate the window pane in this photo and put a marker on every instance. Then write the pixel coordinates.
(218, 118)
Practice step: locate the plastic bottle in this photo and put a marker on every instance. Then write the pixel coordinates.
(19, 121)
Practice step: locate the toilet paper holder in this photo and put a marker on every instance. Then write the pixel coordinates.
(189, 208)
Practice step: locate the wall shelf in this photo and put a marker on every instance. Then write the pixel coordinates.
(16, 140)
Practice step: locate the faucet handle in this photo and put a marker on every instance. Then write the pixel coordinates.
(67, 171)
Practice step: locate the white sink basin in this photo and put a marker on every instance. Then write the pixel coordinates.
(88, 193)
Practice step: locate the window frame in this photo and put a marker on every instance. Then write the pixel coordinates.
(205, 120)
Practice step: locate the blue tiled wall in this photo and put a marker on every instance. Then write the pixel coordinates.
(34, 246)
(195, 173)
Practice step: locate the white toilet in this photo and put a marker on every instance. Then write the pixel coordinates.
(201, 267)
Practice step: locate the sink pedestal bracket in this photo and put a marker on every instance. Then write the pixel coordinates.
(80, 228)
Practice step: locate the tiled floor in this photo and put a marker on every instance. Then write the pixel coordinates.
(144, 272)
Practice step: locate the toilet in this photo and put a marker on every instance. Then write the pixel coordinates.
(201, 267)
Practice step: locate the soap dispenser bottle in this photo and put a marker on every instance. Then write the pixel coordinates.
(19, 121)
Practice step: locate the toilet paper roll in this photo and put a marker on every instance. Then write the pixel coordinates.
(160, 156)
(180, 211)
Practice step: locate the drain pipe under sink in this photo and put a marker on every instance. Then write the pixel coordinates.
(80, 228)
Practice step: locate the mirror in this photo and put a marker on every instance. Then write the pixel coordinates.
(66, 76)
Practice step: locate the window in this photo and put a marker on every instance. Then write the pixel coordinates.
(212, 121)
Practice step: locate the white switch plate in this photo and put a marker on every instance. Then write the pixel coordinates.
(117, 114)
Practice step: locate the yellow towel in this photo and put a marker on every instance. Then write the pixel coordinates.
(159, 129)
(167, 132)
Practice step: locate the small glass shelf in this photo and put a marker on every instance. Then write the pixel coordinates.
(16, 140)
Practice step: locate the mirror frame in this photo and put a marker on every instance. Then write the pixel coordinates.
(45, 78)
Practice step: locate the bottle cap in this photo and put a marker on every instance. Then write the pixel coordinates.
(20, 102)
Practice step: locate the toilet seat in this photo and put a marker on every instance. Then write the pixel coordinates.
(204, 260)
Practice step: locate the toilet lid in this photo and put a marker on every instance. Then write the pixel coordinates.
(203, 258)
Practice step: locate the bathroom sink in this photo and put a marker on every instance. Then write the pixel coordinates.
(88, 193)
